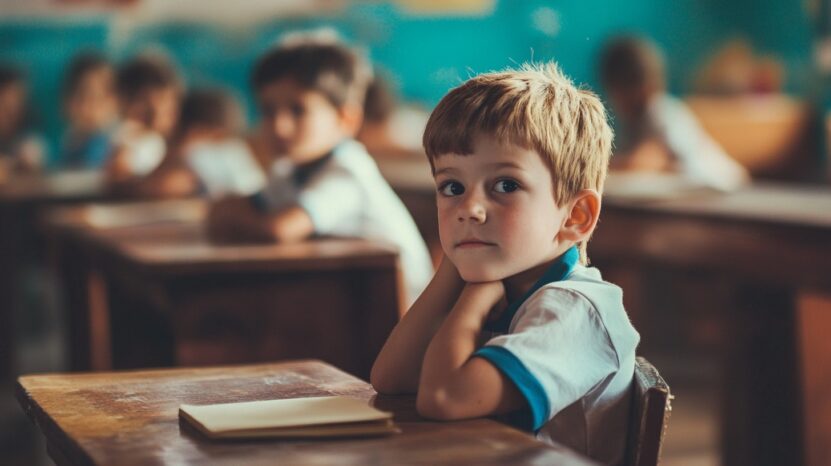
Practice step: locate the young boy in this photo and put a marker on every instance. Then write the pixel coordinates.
(519, 159)
(91, 109)
(21, 150)
(655, 131)
(206, 152)
(148, 93)
(209, 143)
(310, 92)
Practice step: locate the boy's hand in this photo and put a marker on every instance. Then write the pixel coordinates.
(225, 217)
(482, 297)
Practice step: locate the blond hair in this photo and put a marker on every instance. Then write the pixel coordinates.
(535, 107)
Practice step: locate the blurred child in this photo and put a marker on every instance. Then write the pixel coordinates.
(148, 93)
(91, 110)
(310, 92)
(655, 131)
(20, 148)
(519, 159)
(389, 128)
(206, 153)
(211, 126)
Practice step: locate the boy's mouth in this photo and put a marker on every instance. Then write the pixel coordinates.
(473, 243)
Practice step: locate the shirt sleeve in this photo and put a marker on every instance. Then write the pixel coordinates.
(331, 199)
(558, 351)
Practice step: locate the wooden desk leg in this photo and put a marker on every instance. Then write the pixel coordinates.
(100, 341)
(814, 323)
(8, 290)
(380, 314)
(761, 422)
(76, 287)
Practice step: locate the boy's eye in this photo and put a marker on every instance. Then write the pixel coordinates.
(297, 109)
(506, 186)
(451, 188)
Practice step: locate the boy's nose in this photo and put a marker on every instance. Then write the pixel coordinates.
(473, 210)
(282, 125)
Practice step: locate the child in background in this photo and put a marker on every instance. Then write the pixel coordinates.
(389, 128)
(20, 149)
(310, 91)
(148, 93)
(206, 152)
(211, 126)
(655, 131)
(91, 109)
(519, 159)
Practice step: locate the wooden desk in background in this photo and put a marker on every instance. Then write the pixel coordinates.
(771, 244)
(170, 297)
(22, 197)
(127, 418)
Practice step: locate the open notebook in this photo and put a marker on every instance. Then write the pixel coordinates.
(328, 416)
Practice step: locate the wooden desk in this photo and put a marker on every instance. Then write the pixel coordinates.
(170, 297)
(22, 197)
(128, 418)
(771, 245)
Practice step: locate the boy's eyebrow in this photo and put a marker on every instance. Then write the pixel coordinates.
(505, 165)
(444, 170)
(491, 166)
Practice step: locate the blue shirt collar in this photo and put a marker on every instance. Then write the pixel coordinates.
(559, 270)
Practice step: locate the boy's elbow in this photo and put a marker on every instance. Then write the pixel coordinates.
(437, 404)
(383, 382)
(380, 383)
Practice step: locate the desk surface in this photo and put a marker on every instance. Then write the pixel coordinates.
(167, 238)
(65, 186)
(131, 418)
(763, 203)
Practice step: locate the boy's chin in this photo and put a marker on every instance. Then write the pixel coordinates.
(480, 274)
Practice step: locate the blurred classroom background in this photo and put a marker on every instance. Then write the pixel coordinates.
(730, 290)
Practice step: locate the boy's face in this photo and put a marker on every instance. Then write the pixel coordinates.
(299, 123)
(157, 109)
(497, 213)
(12, 105)
(92, 105)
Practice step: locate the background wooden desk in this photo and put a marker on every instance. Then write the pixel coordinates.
(771, 246)
(172, 298)
(22, 198)
(127, 418)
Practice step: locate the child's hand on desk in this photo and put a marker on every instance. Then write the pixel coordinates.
(228, 219)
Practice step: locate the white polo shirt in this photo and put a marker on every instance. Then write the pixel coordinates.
(225, 167)
(347, 196)
(570, 350)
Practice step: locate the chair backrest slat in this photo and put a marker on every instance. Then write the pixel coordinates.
(651, 407)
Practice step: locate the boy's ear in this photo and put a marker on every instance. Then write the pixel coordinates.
(352, 117)
(582, 217)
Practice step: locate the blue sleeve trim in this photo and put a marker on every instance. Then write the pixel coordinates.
(527, 384)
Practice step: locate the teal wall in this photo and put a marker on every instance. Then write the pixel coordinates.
(428, 55)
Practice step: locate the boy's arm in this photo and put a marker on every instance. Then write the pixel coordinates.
(398, 366)
(236, 219)
(453, 385)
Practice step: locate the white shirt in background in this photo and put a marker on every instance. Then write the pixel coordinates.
(347, 196)
(699, 157)
(226, 168)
